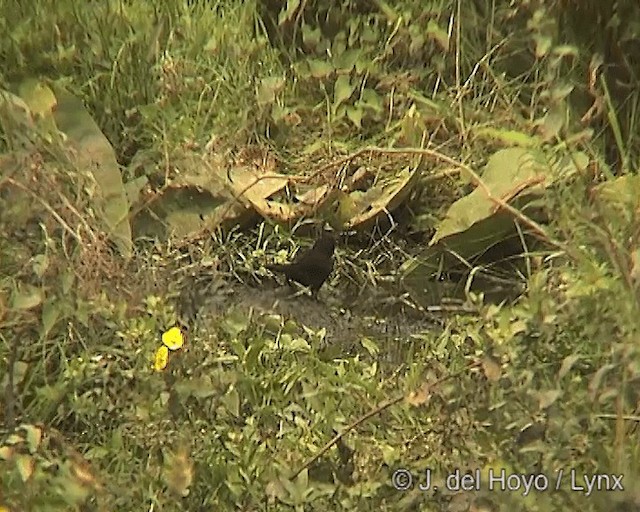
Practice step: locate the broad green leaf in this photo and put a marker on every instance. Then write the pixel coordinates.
(346, 61)
(343, 90)
(231, 401)
(508, 137)
(38, 96)
(319, 68)
(354, 115)
(32, 111)
(40, 264)
(370, 346)
(439, 35)
(27, 297)
(235, 322)
(543, 45)
(133, 188)
(93, 152)
(371, 99)
(19, 372)
(51, 313)
(311, 36)
(560, 92)
(553, 121)
(268, 89)
(509, 173)
(565, 50)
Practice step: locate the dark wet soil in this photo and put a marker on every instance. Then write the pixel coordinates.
(346, 317)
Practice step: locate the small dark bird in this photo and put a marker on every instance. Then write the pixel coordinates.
(312, 268)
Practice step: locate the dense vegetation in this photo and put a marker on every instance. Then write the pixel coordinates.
(478, 161)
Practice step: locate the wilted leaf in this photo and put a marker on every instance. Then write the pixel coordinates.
(517, 176)
(27, 297)
(567, 364)
(491, 369)
(507, 172)
(547, 398)
(596, 380)
(133, 188)
(254, 187)
(419, 397)
(178, 472)
(83, 472)
(25, 465)
(384, 197)
(6, 452)
(34, 436)
(207, 195)
(185, 211)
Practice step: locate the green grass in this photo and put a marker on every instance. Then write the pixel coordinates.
(240, 417)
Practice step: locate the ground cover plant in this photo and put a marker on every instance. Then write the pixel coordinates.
(476, 345)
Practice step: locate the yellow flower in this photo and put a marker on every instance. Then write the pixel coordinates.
(161, 359)
(173, 338)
